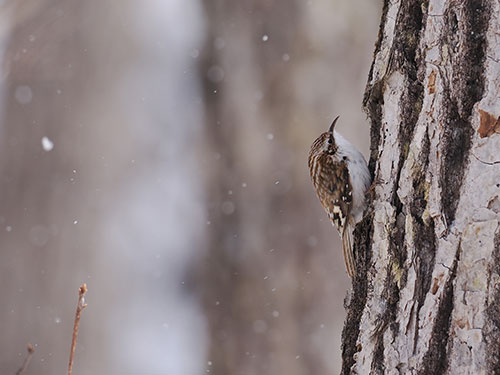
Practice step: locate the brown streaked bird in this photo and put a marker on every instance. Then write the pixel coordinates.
(340, 176)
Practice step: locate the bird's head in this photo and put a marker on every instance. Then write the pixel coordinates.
(325, 142)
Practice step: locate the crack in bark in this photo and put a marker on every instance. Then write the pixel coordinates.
(363, 234)
(491, 329)
(435, 360)
(424, 235)
(465, 35)
(407, 59)
(392, 296)
(373, 99)
(425, 253)
(411, 18)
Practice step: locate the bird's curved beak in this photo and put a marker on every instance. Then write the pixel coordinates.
(332, 126)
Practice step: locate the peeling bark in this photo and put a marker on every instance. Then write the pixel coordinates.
(427, 298)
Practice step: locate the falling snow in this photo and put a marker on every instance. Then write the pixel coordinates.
(47, 144)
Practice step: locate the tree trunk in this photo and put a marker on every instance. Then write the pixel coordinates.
(427, 298)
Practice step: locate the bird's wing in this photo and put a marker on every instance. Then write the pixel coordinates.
(334, 181)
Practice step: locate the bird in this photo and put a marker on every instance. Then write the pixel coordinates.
(341, 178)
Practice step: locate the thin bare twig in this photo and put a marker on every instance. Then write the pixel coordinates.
(81, 305)
(26, 362)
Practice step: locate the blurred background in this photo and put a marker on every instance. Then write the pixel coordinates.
(157, 151)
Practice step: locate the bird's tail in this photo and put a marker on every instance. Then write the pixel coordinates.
(347, 247)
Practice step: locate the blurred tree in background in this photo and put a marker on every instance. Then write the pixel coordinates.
(50, 202)
(158, 152)
(273, 283)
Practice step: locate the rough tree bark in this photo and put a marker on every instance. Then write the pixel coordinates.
(426, 300)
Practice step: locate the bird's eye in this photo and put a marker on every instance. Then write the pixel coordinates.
(329, 141)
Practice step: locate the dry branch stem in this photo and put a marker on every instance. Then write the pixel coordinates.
(81, 305)
(26, 362)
